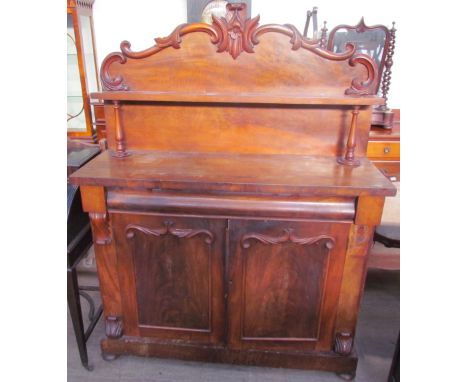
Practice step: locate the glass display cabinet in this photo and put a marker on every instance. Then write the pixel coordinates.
(82, 74)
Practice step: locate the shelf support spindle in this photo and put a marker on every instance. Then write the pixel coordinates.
(119, 137)
(349, 159)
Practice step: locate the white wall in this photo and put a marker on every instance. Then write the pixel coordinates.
(140, 21)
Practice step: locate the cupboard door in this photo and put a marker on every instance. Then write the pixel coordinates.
(171, 276)
(285, 280)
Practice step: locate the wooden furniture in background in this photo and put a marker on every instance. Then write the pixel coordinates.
(233, 212)
(100, 120)
(79, 240)
(82, 74)
(383, 148)
(378, 42)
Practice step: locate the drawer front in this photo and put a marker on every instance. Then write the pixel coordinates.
(329, 208)
(383, 150)
(284, 283)
(391, 169)
(171, 276)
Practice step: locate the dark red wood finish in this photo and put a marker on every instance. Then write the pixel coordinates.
(228, 223)
(172, 269)
(284, 280)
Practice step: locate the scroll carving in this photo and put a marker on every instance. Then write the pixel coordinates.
(288, 235)
(168, 229)
(101, 229)
(108, 82)
(367, 86)
(114, 327)
(173, 40)
(236, 34)
(343, 343)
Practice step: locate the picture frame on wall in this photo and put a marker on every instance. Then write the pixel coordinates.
(202, 10)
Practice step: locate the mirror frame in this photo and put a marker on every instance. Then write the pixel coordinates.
(361, 27)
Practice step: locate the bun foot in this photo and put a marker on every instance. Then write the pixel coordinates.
(109, 356)
(347, 376)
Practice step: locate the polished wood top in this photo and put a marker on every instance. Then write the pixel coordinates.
(224, 172)
(238, 98)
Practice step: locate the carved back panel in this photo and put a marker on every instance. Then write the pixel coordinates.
(197, 65)
(235, 86)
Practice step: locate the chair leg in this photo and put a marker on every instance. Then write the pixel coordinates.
(74, 307)
(386, 241)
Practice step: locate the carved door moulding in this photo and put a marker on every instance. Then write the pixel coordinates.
(168, 229)
(287, 236)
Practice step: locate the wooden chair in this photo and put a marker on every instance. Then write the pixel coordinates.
(79, 240)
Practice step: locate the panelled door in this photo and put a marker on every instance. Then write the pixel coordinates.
(171, 276)
(284, 282)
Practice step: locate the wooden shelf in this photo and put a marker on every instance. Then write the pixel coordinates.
(257, 98)
(292, 174)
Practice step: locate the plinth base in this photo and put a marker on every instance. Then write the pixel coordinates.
(149, 347)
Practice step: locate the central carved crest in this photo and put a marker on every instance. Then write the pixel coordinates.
(235, 31)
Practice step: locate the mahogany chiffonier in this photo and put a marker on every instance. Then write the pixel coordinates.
(234, 208)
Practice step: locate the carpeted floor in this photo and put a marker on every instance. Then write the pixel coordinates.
(377, 334)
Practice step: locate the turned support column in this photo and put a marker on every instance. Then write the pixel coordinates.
(349, 159)
(119, 134)
(387, 76)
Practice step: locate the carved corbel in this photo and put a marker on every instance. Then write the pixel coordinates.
(343, 343)
(101, 229)
(114, 327)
